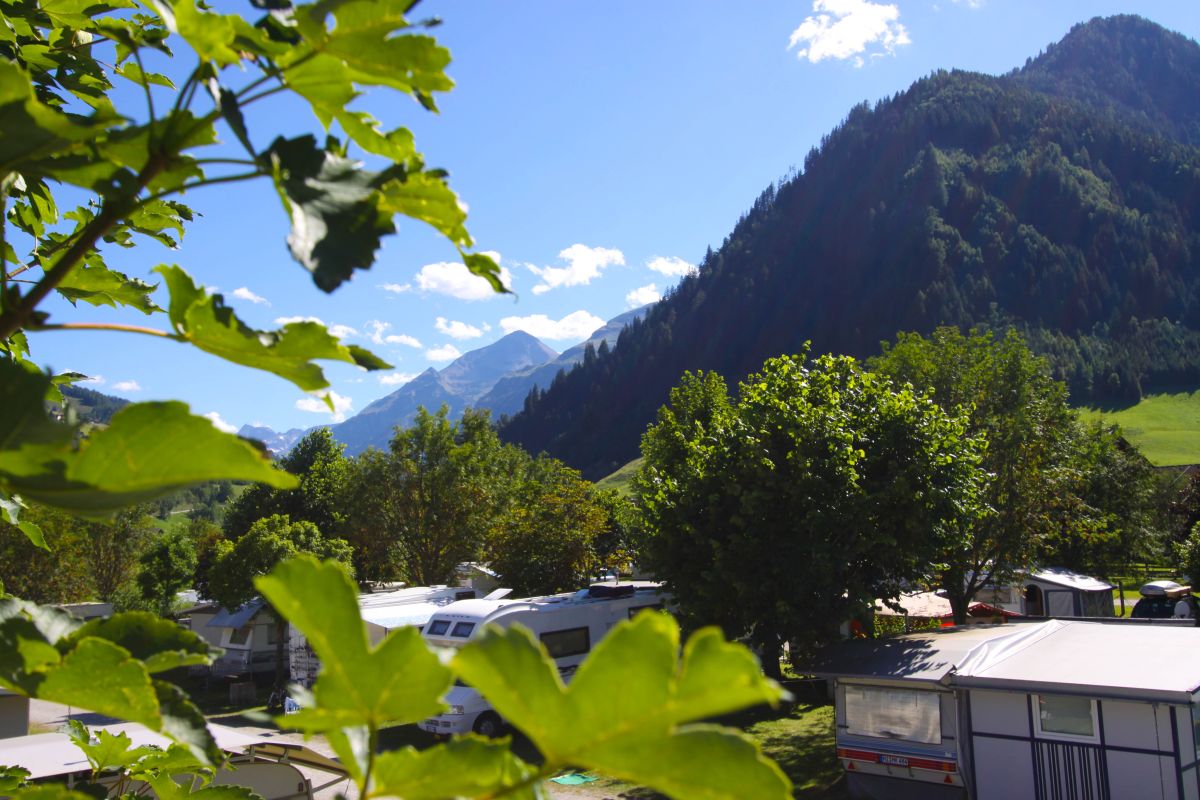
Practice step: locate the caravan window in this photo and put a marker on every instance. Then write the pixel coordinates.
(908, 714)
(439, 627)
(1063, 717)
(463, 629)
(240, 635)
(569, 642)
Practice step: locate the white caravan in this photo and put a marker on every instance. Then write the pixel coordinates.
(569, 625)
(382, 612)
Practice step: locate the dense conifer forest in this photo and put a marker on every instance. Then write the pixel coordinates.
(1060, 199)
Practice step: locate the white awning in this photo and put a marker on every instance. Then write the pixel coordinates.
(48, 755)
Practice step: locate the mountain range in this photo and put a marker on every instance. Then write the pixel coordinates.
(498, 377)
(1062, 199)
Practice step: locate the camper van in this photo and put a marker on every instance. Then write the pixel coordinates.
(569, 625)
(382, 612)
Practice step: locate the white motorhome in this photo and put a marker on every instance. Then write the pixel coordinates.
(569, 625)
(382, 612)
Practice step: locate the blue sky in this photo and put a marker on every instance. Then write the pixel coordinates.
(601, 147)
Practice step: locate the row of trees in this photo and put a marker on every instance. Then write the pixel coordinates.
(127, 561)
(445, 492)
(827, 484)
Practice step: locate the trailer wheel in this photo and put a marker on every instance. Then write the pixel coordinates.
(489, 725)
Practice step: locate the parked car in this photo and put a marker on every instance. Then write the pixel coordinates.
(1159, 600)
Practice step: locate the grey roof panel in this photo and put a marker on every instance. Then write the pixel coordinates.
(239, 616)
(926, 656)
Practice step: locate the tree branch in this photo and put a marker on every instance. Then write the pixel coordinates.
(104, 326)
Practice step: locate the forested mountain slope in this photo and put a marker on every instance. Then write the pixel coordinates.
(1061, 198)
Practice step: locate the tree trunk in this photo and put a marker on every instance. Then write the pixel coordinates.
(954, 584)
(959, 602)
(771, 652)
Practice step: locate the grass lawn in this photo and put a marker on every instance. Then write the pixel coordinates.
(799, 737)
(1164, 427)
(620, 479)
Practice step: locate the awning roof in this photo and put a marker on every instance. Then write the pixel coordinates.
(47, 755)
(239, 616)
(1150, 662)
(1073, 580)
(927, 656)
(389, 617)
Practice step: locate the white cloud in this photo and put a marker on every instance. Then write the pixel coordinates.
(457, 330)
(643, 295)
(670, 266)
(219, 423)
(242, 293)
(396, 378)
(973, 4)
(446, 352)
(843, 29)
(338, 331)
(454, 279)
(317, 405)
(377, 332)
(396, 288)
(127, 386)
(576, 325)
(99, 380)
(584, 264)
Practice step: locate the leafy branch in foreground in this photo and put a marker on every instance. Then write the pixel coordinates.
(63, 128)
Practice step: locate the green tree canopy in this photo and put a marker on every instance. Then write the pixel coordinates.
(269, 541)
(167, 567)
(545, 542)
(319, 463)
(443, 492)
(1056, 492)
(820, 488)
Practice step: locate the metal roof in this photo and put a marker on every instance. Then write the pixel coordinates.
(239, 616)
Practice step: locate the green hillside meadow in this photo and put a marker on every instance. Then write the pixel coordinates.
(1165, 427)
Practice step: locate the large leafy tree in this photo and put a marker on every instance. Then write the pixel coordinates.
(167, 567)
(1057, 491)
(1105, 513)
(112, 549)
(546, 541)
(319, 463)
(367, 499)
(784, 512)
(1012, 401)
(444, 488)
